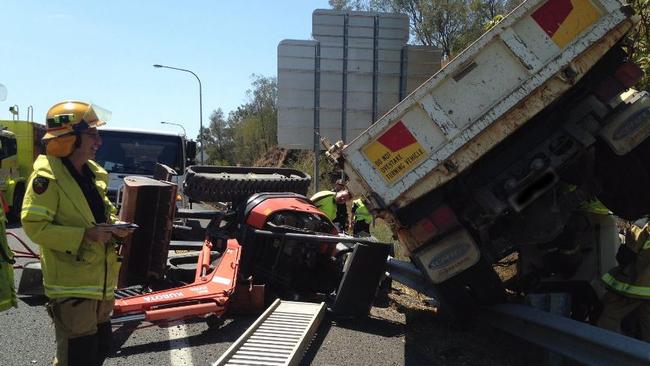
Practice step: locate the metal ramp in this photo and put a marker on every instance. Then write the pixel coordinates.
(278, 337)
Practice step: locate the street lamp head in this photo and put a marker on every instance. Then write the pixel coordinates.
(175, 124)
(200, 102)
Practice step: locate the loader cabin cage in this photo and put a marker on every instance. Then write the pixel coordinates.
(137, 153)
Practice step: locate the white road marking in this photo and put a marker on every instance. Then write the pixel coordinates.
(179, 354)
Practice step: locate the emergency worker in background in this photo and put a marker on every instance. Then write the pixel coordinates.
(339, 185)
(341, 208)
(628, 285)
(7, 287)
(361, 218)
(329, 202)
(66, 212)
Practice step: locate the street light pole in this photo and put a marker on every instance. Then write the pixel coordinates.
(175, 124)
(200, 103)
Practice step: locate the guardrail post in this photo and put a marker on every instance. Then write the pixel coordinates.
(554, 303)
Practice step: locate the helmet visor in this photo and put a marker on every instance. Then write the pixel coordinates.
(96, 116)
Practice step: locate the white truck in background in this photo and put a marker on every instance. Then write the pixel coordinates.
(126, 152)
(496, 152)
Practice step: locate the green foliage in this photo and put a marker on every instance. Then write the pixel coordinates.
(641, 38)
(249, 131)
(380, 230)
(303, 160)
(450, 25)
(219, 142)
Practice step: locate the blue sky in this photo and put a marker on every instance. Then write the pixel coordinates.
(103, 52)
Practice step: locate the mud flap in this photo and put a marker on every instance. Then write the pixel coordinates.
(358, 287)
(31, 280)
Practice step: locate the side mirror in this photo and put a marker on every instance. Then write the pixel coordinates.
(163, 172)
(190, 150)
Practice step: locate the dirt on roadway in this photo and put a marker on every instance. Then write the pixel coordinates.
(427, 339)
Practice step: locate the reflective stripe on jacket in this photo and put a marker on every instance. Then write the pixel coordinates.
(633, 280)
(595, 206)
(56, 218)
(325, 201)
(361, 212)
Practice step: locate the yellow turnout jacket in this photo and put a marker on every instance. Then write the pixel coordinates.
(55, 216)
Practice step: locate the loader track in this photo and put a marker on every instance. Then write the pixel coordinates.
(235, 184)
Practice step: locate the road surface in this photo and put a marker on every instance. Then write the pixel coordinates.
(400, 334)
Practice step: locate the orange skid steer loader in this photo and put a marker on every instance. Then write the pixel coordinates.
(269, 242)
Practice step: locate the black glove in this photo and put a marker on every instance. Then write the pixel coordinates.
(625, 255)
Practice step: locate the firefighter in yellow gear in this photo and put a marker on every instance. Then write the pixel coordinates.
(628, 284)
(7, 286)
(361, 218)
(332, 203)
(66, 212)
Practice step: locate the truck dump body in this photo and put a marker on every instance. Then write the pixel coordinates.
(523, 64)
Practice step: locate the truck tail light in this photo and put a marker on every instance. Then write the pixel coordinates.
(437, 222)
(624, 77)
(628, 74)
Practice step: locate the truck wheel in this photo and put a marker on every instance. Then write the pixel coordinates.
(235, 184)
(17, 204)
(478, 285)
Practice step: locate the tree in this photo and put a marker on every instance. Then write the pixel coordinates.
(450, 25)
(359, 5)
(254, 125)
(641, 38)
(249, 131)
(218, 140)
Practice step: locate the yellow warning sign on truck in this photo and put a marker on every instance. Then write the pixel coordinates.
(563, 20)
(395, 152)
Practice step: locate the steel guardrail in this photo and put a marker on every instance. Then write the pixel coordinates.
(582, 342)
(579, 341)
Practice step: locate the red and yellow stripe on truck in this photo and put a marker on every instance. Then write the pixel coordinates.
(563, 20)
(395, 152)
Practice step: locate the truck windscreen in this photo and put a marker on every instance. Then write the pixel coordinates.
(138, 153)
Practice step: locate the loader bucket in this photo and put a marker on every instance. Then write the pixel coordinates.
(31, 280)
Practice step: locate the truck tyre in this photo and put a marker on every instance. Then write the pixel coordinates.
(478, 285)
(17, 204)
(235, 184)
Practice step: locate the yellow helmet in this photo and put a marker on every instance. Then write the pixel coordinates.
(70, 117)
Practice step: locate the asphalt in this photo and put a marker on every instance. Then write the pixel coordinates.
(28, 338)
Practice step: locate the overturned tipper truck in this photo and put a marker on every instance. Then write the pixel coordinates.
(497, 153)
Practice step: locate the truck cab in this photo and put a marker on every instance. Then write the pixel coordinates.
(20, 144)
(126, 152)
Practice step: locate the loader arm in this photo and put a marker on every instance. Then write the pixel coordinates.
(209, 294)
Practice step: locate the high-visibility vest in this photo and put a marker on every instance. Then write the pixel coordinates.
(326, 202)
(595, 206)
(633, 280)
(7, 288)
(361, 212)
(55, 216)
